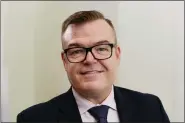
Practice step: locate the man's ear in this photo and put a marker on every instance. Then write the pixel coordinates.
(64, 60)
(118, 52)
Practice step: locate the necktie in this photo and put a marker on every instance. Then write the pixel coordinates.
(99, 113)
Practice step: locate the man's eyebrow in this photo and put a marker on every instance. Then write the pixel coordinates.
(81, 45)
(75, 45)
(102, 42)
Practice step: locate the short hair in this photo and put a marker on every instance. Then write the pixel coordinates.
(83, 17)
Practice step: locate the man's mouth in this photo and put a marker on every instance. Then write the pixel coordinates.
(91, 72)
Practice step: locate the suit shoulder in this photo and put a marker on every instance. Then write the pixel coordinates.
(136, 95)
(150, 104)
(143, 100)
(47, 108)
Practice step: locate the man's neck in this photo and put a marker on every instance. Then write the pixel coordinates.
(95, 98)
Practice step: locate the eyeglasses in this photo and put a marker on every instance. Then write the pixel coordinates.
(79, 54)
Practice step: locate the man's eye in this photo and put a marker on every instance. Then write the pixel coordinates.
(75, 52)
(102, 49)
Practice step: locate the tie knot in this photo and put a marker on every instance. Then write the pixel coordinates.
(99, 112)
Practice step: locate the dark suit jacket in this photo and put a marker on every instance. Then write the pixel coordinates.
(132, 107)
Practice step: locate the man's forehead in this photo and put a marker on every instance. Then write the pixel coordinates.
(94, 31)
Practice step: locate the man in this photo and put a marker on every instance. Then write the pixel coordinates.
(91, 57)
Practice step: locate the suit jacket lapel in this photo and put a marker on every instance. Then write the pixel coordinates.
(68, 109)
(125, 106)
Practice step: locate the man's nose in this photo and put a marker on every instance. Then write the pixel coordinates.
(90, 58)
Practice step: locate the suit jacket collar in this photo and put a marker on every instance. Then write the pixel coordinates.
(68, 107)
(126, 107)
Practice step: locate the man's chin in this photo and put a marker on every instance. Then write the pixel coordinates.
(92, 86)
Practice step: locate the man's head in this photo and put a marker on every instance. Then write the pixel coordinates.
(92, 69)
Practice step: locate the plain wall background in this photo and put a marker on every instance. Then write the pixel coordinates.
(151, 35)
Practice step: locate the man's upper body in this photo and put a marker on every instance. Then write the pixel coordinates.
(131, 106)
(91, 58)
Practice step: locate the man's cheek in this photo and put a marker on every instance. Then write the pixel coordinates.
(110, 66)
(105, 64)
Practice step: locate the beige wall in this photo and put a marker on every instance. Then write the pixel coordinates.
(150, 34)
(18, 58)
(152, 41)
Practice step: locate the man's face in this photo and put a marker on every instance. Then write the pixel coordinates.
(91, 74)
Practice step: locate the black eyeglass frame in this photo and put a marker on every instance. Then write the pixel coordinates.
(89, 49)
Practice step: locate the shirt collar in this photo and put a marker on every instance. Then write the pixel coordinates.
(84, 105)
